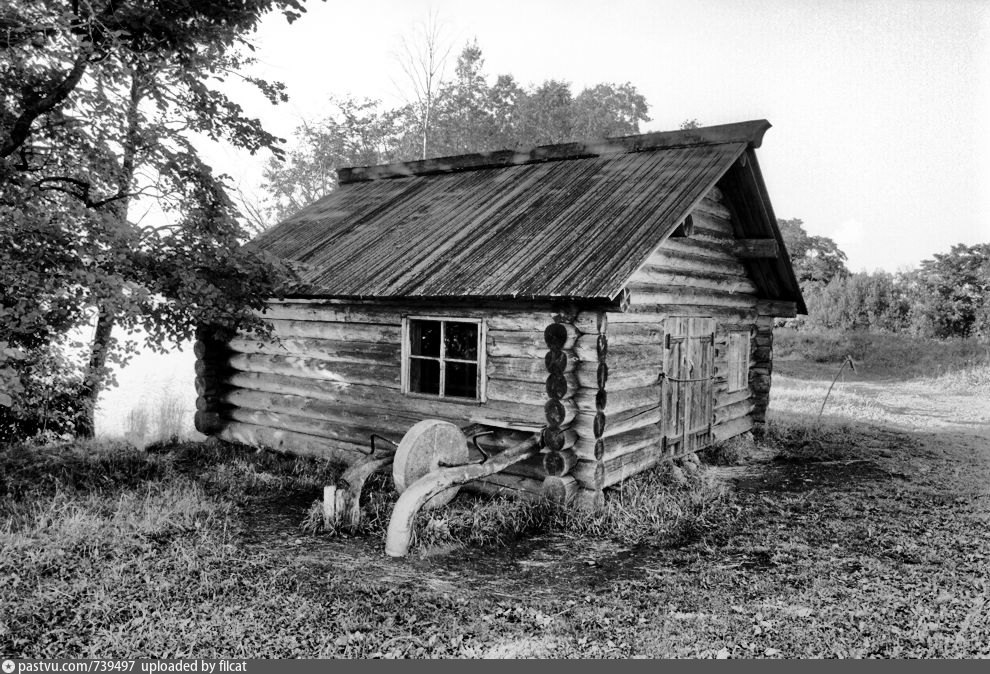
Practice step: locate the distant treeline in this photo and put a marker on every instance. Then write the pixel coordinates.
(948, 295)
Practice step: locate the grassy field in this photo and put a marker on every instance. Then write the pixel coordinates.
(849, 537)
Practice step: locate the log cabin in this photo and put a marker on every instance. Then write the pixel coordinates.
(617, 296)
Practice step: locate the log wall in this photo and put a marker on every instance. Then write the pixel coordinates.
(331, 377)
(695, 275)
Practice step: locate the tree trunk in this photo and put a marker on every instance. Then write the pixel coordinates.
(95, 372)
(106, 318)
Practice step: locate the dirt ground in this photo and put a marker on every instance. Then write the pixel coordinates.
(868, 540)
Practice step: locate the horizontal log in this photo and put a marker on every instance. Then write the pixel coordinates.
(724, 398)
(697, 249)
(207, 350)
(632, 463)
(730, 429)
(634, 440)
(357, 414)
(206, 386)
(734, 411)
(561, 490)
(646, 332)
(707, 221)
(650, 276)
(781, 308)
(592, 322)
(384, 375)
(359, 332)
(592, 375)
(621, 377)
(512, 486)
(525, 369)
(508, 390)
(755, 248)
(560, 386)
(210, 369)
(661, 311)
(358, 435)
(676, 295)
(503, 343)
(531, 467)
(390, 313)
(496, 413)
(586, 351)
(209, 403)
(589, 474)
(560, 413)
(619, 423)
(557, 439)
(589, 449)
(559, 463)
(560, 335)
(712, 204)
(557, 361)
(331, 313)
(620, 400)
(696, 261)
(208, 422)
(288, 441)
(325, 349)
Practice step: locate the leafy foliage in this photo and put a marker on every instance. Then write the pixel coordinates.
(876, 301)
(98, 104)
(816, 259)
(953, 292)
(947, 296)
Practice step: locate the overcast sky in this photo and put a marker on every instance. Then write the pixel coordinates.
(880, 110)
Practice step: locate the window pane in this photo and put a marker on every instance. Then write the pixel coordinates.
(461, 380)
(462, 341)
(424, 376)
(424, 338)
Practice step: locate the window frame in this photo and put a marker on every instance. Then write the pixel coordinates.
(739, 368)
(407, 356)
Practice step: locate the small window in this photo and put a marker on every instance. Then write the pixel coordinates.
(443, 358)
(738, 361)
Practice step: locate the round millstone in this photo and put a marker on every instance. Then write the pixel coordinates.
(421, 451)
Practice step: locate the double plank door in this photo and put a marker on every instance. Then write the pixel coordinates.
(687, 390)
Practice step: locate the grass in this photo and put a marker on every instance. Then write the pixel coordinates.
(953, 362)
(651, 508)
(849, 540)
(107, 551)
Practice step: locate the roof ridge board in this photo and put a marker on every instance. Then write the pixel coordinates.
(750, 132)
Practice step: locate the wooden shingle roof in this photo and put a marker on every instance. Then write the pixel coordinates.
(562, 221)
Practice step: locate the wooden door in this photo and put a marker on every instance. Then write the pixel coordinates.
(686, 394)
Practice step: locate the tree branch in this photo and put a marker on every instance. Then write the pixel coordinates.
(21, 128)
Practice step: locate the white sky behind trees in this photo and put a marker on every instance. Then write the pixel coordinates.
(880, 109)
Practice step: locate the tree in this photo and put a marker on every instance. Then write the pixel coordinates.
(952, 293)
(466, 115)
(423, 60)
(816, 259)
(866, 301)
(356, 133)
(98, 101)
